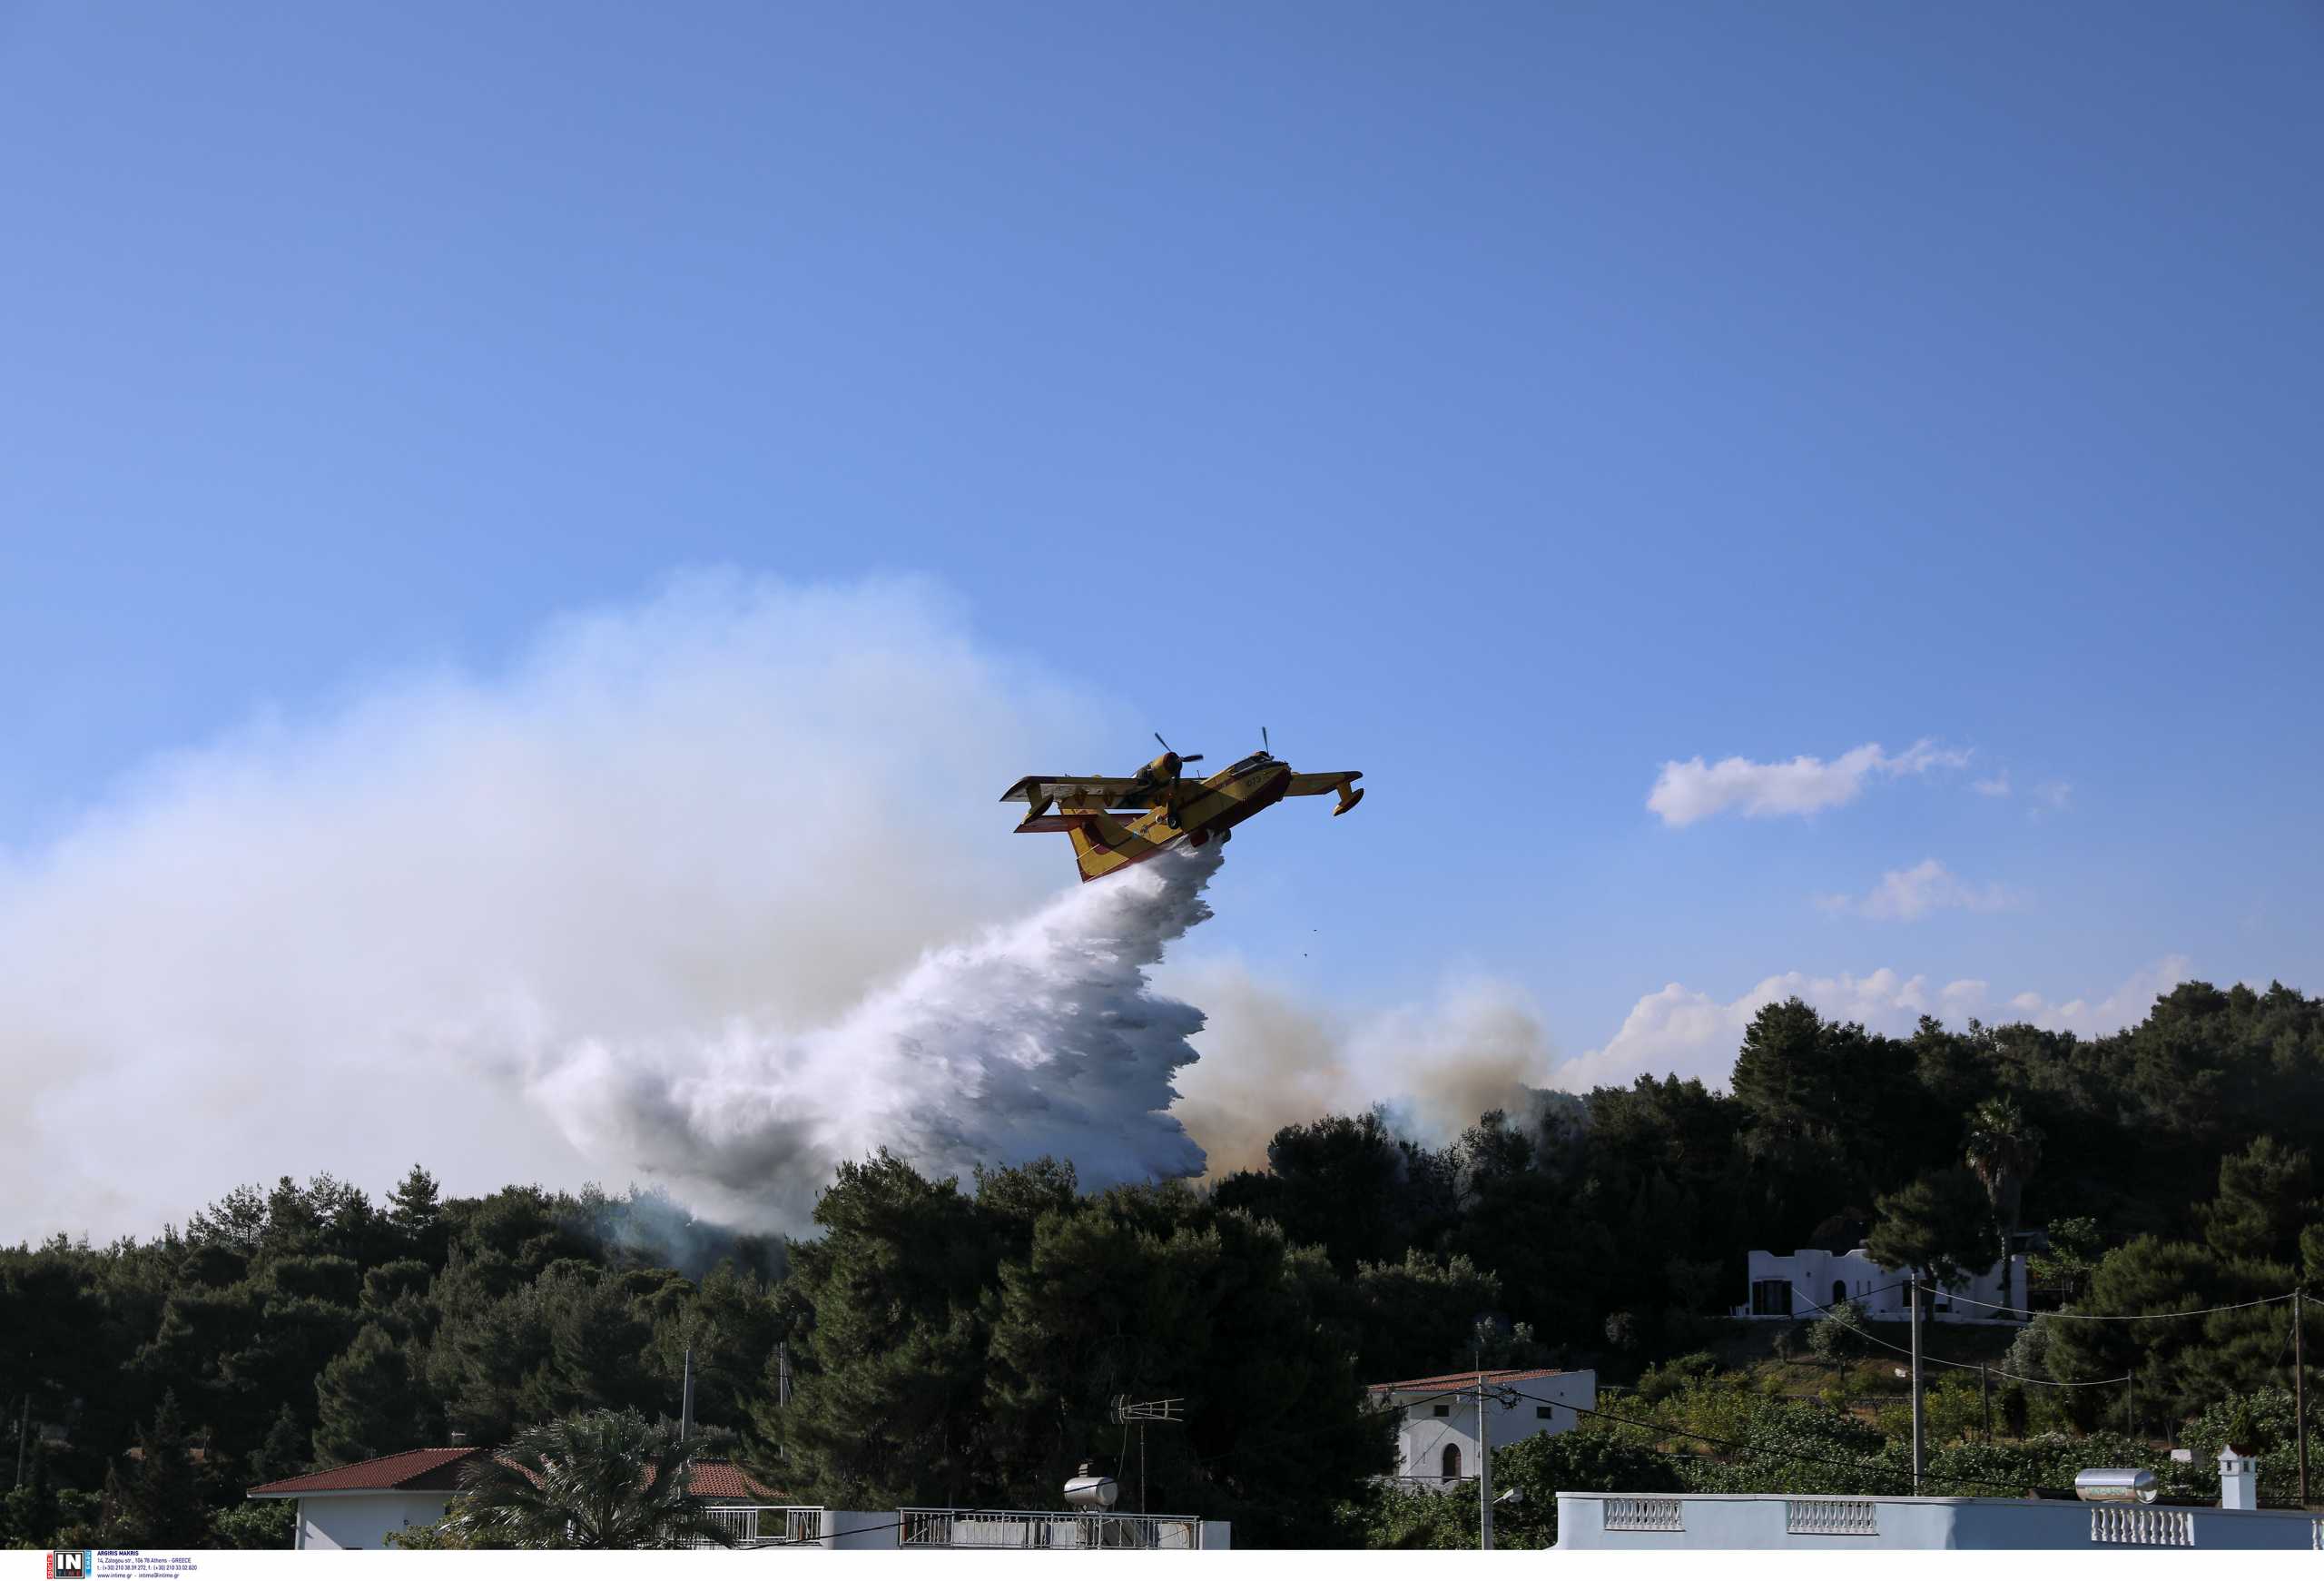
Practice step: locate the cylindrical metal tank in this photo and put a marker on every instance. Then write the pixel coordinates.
(1091, 1490)
(2115, 1485)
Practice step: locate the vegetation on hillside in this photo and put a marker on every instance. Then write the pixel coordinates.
(960, 1342)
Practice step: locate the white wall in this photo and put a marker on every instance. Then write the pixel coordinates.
(1421, 1436)
(1813, 1272)
(1763, 1521)
(363, 1520)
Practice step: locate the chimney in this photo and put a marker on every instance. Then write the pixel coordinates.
(2239, 1479)
(460, 1440)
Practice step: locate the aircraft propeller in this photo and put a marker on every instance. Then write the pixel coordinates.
(1185, 757)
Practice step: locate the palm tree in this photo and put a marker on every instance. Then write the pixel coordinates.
(2004, 1148)
(603, 1479)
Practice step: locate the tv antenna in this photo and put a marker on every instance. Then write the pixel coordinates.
(1132, 1413)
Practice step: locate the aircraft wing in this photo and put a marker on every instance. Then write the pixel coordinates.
(1125, 794)
(1316, 785)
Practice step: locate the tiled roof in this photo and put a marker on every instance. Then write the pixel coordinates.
(1451, 1380)
(428, 1469)
(720, 1480)
(432, 1470)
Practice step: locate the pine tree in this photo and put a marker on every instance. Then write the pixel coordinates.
(417, 1216)
(367, 1401)
(284, 1453)
(32, 1511)
(158, 1497)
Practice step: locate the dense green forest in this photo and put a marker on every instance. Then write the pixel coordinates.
(957, 1343)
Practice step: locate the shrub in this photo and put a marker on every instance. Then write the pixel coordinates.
(1839, 1334)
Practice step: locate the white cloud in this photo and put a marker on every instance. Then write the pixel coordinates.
(1682, 1030)
(1688, 792)
(1905, 894)
(2054, 795)
(1998, 786)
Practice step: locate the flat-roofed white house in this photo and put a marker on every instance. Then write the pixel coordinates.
(1804, 1284)
(1439, 1432)
(1826, 1524)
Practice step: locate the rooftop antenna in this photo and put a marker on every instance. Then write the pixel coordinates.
(1128, 1411)
(1265, 745)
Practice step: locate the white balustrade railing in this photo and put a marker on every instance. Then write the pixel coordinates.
(1833, 1518)
(1645, 1515)
(1014, 1528)
(768, 1526)
(2136, 1525)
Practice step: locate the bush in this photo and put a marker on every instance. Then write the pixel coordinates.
(1839, 1334)
(258, 1523)
(429, 1537)
(1667, 1378)
(2049, 1462)
(2262, 1422)
(1398, 1517)
(1589, 1459)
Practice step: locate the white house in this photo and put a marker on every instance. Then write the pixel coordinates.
(1823, 1524)
(1437, 1439)
(1806, 1283)
(357, 1505)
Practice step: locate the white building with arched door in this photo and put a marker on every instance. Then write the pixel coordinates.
(1438, 1431)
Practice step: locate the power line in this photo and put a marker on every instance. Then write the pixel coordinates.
(1372, 1424)
(2131, 1317)
(1965, 1366)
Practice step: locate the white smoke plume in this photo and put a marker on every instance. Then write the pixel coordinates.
(336, 943)
(1041, 1037)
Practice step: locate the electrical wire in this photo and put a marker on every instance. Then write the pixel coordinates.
(1968, 1366)
(2134, 1317)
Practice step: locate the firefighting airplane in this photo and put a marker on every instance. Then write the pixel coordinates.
(1173, 808)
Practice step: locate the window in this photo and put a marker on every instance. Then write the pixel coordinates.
(1542, 1413)
(1839, 1292)
(1444, 1410)
(1452, 1461)
(1771, 1298)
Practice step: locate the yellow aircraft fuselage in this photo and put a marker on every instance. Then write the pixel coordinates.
(1162, 810)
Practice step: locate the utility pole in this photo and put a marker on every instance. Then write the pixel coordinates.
(2299, 1393)
(2131, 1403)
(1916, 1291)
(1985, 1398)
(685, 1401)
(782, 1373)
(1484, 1470)
(25, 1422)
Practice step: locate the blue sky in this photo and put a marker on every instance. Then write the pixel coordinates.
(1507, 400)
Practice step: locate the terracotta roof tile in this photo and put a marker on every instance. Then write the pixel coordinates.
(720, 1480)
(1452, 1380)
(428, 1469)
(433, 1470)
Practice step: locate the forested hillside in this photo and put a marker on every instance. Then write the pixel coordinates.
(957, 1343)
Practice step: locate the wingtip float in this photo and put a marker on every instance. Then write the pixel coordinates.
(1117, 823)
